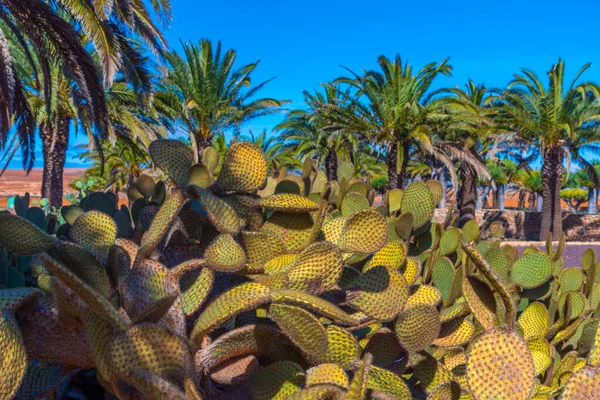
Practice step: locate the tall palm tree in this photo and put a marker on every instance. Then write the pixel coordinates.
(392, 106)
(34, 31)
(57, 101)
(549, 117)
(207, 96)
(466, 134)
(127, 120)
(315, 132)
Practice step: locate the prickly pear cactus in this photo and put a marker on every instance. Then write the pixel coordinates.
(226, 282)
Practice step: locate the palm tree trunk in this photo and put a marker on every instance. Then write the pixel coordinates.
(500, 196)
(199, 144)
(592, 201)
(55, 141)
(331, 165)
(539, 202)
(481, 198)
(404, 166)
(552, 174)
(391, 158)
(443, 176)
(466, 195)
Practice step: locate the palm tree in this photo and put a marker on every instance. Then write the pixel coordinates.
(127, 119)
(392, 107)
(57, 101)
(120, 165)
(466, 133)
(34, 36)
(549, 118)
(531, 181)
(502, 173)
(314, 132)
(206, 96)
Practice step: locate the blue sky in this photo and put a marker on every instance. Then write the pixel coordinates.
(304, 44)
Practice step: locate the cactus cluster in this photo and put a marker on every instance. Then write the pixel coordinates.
(227, 283)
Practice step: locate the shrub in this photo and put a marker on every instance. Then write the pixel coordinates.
(247, 286)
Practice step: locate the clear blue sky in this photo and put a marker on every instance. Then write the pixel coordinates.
(303, 44)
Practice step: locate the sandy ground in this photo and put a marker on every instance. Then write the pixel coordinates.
(17, 182)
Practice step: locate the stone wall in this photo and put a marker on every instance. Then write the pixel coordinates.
(523, 225)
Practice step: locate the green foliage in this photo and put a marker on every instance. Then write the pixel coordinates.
(226, 291)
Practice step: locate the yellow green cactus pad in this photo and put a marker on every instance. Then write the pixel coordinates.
(244, 169)
(500, 366)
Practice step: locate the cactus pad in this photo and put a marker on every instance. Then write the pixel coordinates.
(225, 254)
(500, 366)
(244, 169)
(365, 232)
(481, 301)
(316, 269)
(241, 298)
(288, 202)
(13, 361)
(450, 241)
(276, 381)
(417, 327)
(531, 270)
(418, 200)
(96, 232)
(303, 329)
(174, 157)
(353, 203)
(22, 237)
(380, 293)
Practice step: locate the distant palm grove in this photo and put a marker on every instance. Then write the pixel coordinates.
(104, 69)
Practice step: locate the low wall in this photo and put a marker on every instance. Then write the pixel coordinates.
(523, 225)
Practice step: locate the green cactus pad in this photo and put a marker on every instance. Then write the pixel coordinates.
(162, 222)
(14, 359)
(442, 276)
(96, 232)
(450, 241)
(22, 237)
(221, 214)
(262, 246)
(200, 176)
(418, 200)
(531, 270)
(195, 287)
(313, 303)
(354, 202)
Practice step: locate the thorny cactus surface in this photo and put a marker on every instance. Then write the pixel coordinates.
(239, 285)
